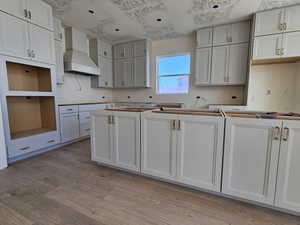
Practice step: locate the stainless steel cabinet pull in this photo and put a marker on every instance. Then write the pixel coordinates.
(285, 134)
(277, 52)
(88, 117)
(29, 53)
(285, 26)
(29, 14)
(25, 148)
(25, 13)
(282, 51)
(60, 36)
(109, 119)
(173, 124)
(51, 141)
(87, 129)
(32, 54)
(179, 125)
(281, 26)
(276, 133)
(112, 119)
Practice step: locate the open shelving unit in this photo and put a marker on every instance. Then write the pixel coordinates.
(30, 115)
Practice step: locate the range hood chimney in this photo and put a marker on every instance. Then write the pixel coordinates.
(76, 58)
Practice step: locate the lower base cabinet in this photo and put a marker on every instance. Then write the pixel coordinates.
(261, 161)
(185, 149)
(116, 139)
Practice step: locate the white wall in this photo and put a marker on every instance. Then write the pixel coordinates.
(77, 89)
(274, 87)
(3, 161)
(210, 95)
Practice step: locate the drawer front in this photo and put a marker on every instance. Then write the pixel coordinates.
(84, 117)
(88, 108)
(30, 144)
(85, 129)
(68, 109)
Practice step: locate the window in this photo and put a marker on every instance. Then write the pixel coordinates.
(173, 74)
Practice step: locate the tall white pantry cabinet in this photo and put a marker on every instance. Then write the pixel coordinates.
(28, 82)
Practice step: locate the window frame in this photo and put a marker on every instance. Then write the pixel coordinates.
(172, 75)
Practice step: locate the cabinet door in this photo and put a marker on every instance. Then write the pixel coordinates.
(102, 138)
(158, 145)
(140, 48)
(203, 66)
(124, 51)
(240, 32)
(140, 72)
(69, 127)
(14, 7)
(267, 47)
(118, 74)
(104, 49)
(59, 59)
(292, 18)
(250, 158)
(106, 72)
(204, 37)
(128, 72)
(290, 44)
(222, 35)
(220, 65)
(40, 13)
(127, 146)
(238, 64)
(13, 36)
(200, 151)
(42, 44)
(268, 22)
(84, 124)
(58, 29)
(288, 182)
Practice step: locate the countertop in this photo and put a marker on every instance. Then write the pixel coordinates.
(167, 104)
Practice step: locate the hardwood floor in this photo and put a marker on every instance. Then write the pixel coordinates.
(63, 187)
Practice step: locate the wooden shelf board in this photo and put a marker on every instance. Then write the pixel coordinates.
(28, 133)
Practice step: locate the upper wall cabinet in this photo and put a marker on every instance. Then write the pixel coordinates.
(231, 33)
(203, 66)
(123, 51)
(277, 21)
(204, 37)
(34, 11)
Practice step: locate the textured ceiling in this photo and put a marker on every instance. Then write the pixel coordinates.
(137, 19)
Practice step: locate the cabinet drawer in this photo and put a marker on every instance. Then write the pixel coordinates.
(68, 109)
(85, 129)
(26, 145)
(88, 108)
(84, 117)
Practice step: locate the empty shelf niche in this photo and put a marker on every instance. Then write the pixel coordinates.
(28, 78)
(30, 115)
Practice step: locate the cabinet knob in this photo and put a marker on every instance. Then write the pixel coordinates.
(106, 83)
(24, 149)
(276, 133)
(105, 53)
(285, 134)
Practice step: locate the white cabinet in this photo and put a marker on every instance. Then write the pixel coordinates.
(288, 182)
(58, 29)
(140, 72)
(69, 127)
(251, 158)
(292, 18)
(200, 151)
(238, 64)
(183, 148)
(116, 139)
(14, 40)
(231, 33)
(124, 70)
(158, 156)
(14, 7)
(59, 59)
(220, 63)
(140, 48)
(203, 66)
(40, 13)
(267, 47)
(204, 37)
(290, 44)
(269, 22)
(42, 44)
(123, 51)
(107, 72)
(102, 138)
(126, 135)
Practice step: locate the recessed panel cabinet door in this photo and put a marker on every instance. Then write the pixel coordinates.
(204, 37)
(127, 145)
(42, 44)
(288, 183)
(203, 66)
(290, 44)
(69, 127)
(200, 151)
(140, 72)
(268, 22)
(59, 58)
(14, 39)
(292, 18)
(220, 65)
(102, 138)
(238, 64)
(159, 145)
(14, 7)
(267, 47)
(40, 13)
(251, 158)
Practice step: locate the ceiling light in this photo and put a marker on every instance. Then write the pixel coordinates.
(92, 12)
(117, 29)
(216, 6)
(158, 19)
